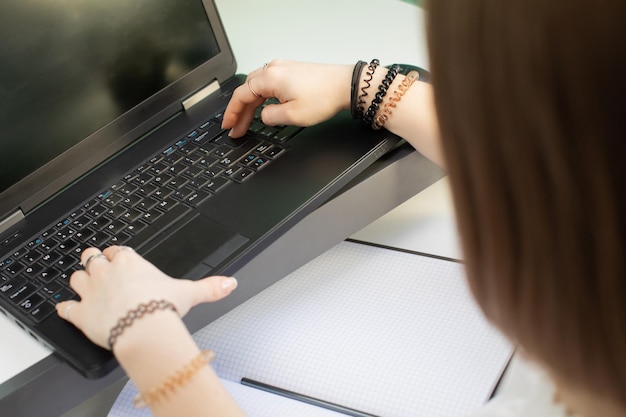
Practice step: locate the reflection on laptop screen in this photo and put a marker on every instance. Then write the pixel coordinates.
(84, 64)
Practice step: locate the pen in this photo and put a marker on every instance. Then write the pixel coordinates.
(304, 398)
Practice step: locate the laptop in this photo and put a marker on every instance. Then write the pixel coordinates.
(110, 115)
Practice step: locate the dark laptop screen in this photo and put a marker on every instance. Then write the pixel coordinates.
(68, 68)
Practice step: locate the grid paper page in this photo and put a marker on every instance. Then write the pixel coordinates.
(378, 330)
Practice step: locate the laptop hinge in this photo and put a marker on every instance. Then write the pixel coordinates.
(6, 223)
(197, 97)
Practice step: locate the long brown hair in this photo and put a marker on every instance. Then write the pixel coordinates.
(531, 100)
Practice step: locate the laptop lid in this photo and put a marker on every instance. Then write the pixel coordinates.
(79, 81)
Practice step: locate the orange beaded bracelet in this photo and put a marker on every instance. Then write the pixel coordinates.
(175, 381)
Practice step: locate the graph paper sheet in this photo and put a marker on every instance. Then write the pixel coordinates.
(377, 330)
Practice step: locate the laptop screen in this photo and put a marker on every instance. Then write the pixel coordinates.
(71, 67)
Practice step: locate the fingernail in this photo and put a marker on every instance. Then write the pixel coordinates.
(230, 133)
(229, 283)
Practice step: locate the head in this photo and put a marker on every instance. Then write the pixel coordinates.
(531, 101)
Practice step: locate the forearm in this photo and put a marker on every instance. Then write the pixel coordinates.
(414, 118)
(153, 349)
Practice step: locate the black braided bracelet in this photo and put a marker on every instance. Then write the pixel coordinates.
(135, 314)
(369, 74)
(356, 78)
(382, 91)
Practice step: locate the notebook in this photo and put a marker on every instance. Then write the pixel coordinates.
(333, 339)
(110, 115)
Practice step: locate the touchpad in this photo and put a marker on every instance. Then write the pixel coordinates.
(199, 245)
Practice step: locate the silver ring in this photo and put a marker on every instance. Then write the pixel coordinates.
(66, 312)
(91, 258)
(265, 65)
(252, 89)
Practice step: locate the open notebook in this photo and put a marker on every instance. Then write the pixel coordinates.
(375, 330)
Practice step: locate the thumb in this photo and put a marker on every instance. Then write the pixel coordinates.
(213, 288)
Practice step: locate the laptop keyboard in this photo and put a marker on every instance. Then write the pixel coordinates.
(130, 212)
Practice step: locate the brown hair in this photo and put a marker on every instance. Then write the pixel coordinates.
(531, 100)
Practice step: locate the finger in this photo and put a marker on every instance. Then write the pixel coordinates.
(91, 256)
(78, 282)
(259, 85)
(287, 113)
(69, 311)
(240, 111)
(115, 252)
(87, 253)
(211, 289)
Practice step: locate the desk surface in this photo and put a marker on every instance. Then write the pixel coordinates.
(320, 31)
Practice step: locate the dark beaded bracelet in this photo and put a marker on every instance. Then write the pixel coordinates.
(369, 74)
(356, 78)
(135, 314)
(382, 91)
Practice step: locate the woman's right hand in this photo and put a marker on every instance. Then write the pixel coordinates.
(308, 94)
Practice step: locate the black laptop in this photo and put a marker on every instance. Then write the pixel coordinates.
(110, 117)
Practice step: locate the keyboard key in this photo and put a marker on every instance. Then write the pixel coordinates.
(22, 291)
(242, 174)
(287, 133)
(31, 257)
(64, 295)
(116, 226)
(215, 184)
(48, 275)
(119, 239)
(29, 303)
(14, 268)
(147, 204)
(33, 270)
(67, 246)
(149, 217)
(10, 286)
(65, 262)
(258, 163)
(50, 258)
(131, 215)
(51, 288)
(42, 311)
(274, 151)
(98, 239)
(197, 197)
(34, 243)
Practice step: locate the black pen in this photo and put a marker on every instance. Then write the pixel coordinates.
(304, 398)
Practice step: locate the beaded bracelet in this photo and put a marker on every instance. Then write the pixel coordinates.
(135, 314)
(369, 75)
(382, 91)
(394, 99)
(175, 381)
(356, 77)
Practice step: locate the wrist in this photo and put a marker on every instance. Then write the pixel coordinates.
(154, 347)
(344, 87)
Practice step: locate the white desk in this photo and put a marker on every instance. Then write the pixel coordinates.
(332, 31)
